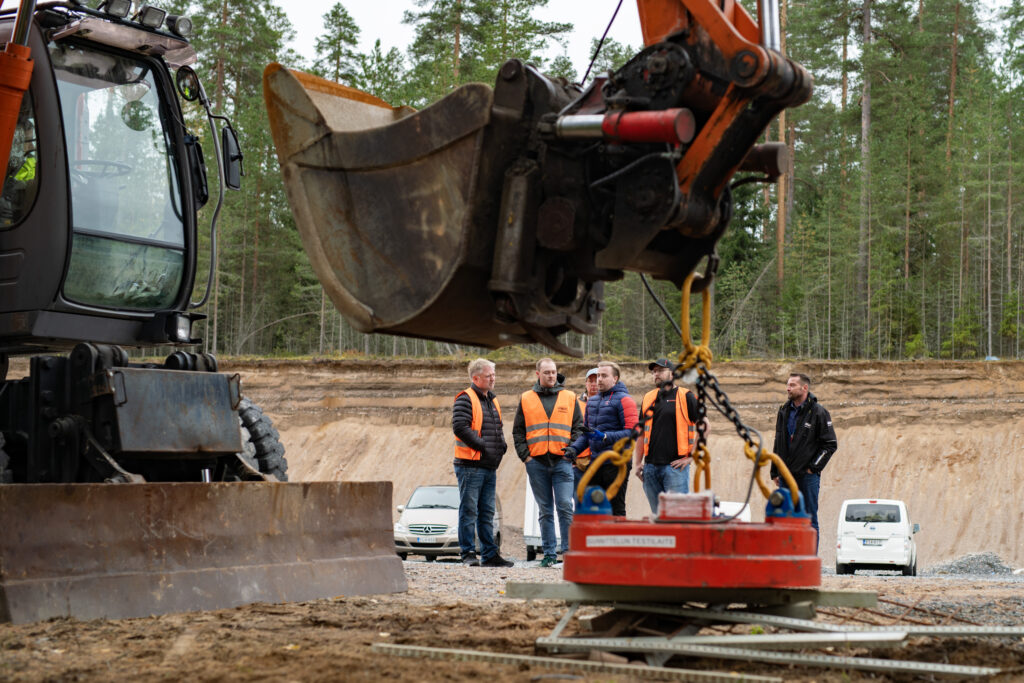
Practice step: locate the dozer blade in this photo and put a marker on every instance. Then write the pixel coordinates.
(129, 550)
(396, 207)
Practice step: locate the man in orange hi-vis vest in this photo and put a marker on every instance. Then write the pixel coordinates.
(547, 420)
(479, 445)
(664, 451)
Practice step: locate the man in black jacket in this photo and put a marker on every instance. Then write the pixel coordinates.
(479, 445)
(805, 441)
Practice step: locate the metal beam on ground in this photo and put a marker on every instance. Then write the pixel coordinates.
(778, 641)
(630, 670)
(577, 592)
(748, 654)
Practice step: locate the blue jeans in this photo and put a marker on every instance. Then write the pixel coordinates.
(809, 484)
(552, 488)
(476, 510)
(658, 478)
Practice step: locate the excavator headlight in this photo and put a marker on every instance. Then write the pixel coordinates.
(179, 25)
(117, 8)
(179, 328)
(150, 17)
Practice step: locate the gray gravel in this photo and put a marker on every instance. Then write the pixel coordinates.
(974, 564)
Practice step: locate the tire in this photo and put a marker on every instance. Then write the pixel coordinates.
(431, 558)
(6, 474)
(843, 568)
(403, 556)
(531, 553)
(261, 444)
(911, 569)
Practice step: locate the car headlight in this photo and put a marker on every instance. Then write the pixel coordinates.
(400, 528)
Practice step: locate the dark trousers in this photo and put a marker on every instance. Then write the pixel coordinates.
(604, 477)
(809, 484)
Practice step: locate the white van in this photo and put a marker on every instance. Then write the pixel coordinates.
(531, 526)
(875, 534)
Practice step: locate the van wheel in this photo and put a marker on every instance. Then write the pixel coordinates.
(431, 558)
(531, 553)
(402, 556)
(910, 570)
(843, 568)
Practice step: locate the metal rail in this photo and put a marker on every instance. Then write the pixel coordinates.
(747, 654)
(740, 617)
(630, 670)
(775, 641)
(591, 593)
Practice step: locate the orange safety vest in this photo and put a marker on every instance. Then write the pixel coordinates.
(462, 450)
(686, 431)
(583, 411)
(548, 434)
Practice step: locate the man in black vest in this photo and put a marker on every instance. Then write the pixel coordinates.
(479, 445)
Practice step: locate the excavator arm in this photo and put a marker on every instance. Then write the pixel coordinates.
(494, 216)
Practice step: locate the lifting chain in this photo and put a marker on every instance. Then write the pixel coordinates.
(694, 358)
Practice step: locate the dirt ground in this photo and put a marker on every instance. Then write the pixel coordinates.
(942, 436)
(330, 640)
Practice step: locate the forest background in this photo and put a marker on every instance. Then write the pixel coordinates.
(895, 233)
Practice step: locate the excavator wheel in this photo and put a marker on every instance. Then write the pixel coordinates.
(261, 444)
(6, 475)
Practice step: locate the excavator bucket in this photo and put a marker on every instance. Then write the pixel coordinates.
(130, 550)
(495, 215)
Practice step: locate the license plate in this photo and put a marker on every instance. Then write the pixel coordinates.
(419, 540)
(872, 541)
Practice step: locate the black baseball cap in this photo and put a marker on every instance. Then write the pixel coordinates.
(660, 363)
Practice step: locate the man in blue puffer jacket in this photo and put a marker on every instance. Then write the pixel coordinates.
(611, 415)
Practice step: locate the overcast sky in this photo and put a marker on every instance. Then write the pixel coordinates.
(383, 19)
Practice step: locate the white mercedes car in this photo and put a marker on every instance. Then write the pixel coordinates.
(429, 523)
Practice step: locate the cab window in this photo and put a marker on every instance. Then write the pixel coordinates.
(21, 181)
(128, 241)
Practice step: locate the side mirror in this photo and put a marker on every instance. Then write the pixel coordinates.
(917, 527)
(187, 83)
(401, 508)
(232, 156)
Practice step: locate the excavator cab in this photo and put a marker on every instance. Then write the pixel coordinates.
(98, 235)
(154, 487)
(494, 215)
(98, 250)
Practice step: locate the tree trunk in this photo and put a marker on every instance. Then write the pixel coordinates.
(952, 81)
(988, 236)
(860, 321)
(906, 221)
(458, 41)
(780, 217)
(782, 193)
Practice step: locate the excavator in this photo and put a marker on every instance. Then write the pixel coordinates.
(129, 489)
(495, 215)
(491, 217)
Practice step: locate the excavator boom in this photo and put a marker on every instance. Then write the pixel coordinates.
(495, 215)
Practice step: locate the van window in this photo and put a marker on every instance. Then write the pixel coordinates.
(867, 512)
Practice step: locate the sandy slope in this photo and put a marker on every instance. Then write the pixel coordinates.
(944, 436)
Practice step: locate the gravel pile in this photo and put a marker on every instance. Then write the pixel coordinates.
(987, 563)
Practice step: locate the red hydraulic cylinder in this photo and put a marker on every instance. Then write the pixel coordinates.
(15, 76)
(674, 126)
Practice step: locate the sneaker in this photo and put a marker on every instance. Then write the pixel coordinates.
(471, 561)
(548, 561)
(497, 561)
